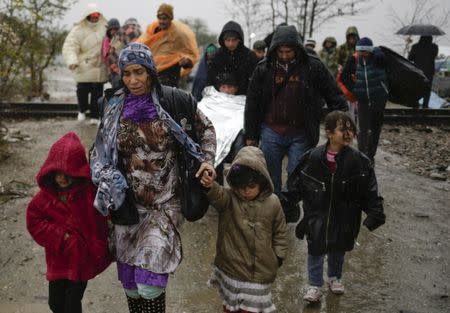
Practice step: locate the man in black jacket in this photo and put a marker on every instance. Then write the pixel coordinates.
(233, 58)
(284, 102)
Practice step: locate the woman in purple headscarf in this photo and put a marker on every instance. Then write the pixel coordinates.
(134, 163)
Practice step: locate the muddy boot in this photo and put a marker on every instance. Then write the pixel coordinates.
(134, 304)
(157, 305)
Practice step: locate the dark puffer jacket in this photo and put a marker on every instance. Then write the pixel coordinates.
(240, 62)
(316, 83)
(370, 84)
(333, 203)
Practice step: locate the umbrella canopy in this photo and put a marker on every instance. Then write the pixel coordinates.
(421, 30)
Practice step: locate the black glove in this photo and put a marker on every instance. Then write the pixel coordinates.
(372, 223)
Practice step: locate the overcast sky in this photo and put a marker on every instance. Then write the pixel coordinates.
(375, 24)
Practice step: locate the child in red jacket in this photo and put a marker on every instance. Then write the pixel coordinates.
(61, 217)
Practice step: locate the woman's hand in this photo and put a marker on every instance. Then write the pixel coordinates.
(207, 174)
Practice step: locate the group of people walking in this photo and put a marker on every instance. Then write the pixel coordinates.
(124, 203)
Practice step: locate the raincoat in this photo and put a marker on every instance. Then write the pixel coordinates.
(52, 213)
(83, 46)
(329, 56)
(344, 51)
(170, 45)
(252, 235)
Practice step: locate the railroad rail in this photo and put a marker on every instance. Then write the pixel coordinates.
(50, 109)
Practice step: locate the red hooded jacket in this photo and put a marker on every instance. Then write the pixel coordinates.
(52, 213)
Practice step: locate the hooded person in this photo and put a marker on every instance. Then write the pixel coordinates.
(423, 55)
(284, 102)
(173, 44)
(111, 29)
(82, 54)
(61, 217)
(328, 55)
(345, 50)
(249, 212)
(232, 57)
(202, 71)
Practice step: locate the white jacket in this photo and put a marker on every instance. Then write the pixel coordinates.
(83, 46)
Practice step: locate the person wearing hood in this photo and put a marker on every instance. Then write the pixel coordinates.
(423, 54)
(202, 71)
(347, 49)
(249, 212)
(129, 32)
(82, 53)
(61, 217)
(111, 30)
(284, 102)
(136, 162)
(232, 57)
(173, 45)
(328, 55)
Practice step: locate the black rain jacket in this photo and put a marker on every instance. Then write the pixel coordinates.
(316, 83)
(240, 63)
(332, 203)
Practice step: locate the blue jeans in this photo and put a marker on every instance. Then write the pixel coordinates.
(315, 267)
(276, 146)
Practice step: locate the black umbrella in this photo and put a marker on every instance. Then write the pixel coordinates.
(421, 30)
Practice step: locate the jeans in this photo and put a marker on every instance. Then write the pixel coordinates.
(276, 146)
(65, 296)
(315, 267)
(370, 122)
(83, 91)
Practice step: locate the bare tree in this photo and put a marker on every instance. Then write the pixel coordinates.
(422, 12)
(248, 13)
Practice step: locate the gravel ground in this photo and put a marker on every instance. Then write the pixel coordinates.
(425, 150)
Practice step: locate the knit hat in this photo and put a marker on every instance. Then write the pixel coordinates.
(259, 45)
(211, 49)
(136, 53)
(165, 9)
(364, 44)
(310, 42)
(113, 23)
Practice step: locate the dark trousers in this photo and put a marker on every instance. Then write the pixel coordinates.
(65, 296)
(95, 90)
(370, 119)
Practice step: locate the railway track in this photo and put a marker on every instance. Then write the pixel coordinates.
(47, 109)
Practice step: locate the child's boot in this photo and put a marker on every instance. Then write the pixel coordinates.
(313, 294)
(134, 304)
(156, 305)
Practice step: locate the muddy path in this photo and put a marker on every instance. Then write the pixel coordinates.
(402, 266)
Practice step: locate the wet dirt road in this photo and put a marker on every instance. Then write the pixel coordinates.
(402, 266)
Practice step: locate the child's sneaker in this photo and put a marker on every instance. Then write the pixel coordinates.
(313, 294)
(336, 285)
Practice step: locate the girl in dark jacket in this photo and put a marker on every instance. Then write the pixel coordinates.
(61, 217)
(336, 183)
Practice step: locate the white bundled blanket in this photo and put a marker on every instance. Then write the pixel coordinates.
(226, 112)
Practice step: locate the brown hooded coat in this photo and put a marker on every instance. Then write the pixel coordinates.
(252, 235)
